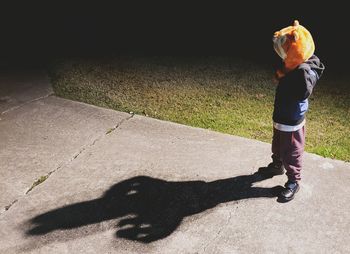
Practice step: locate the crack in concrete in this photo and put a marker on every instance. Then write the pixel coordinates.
(119, 124)
(25, 103)
(45, 177)
(8, 206)
(218, 233)
(40, 180)
(82, 150)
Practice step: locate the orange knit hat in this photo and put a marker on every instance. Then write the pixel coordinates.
(294, 44)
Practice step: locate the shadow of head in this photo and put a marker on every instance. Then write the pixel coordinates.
(149, 209)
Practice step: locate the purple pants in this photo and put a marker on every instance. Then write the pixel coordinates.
(288, 148)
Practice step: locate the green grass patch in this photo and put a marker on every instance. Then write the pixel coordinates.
(40, 180)
(222, 94)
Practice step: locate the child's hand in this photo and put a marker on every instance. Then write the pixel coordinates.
(279, 74)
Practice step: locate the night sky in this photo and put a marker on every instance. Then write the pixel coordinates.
(168, 28)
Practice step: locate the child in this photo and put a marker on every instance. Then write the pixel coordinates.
(296, 79)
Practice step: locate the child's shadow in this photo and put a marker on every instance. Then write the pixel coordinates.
(154, 208)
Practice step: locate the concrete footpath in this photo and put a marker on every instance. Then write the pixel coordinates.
(112, 182)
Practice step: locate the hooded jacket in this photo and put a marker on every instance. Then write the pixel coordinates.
(293, 91)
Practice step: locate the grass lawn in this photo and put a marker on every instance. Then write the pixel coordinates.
(222, 94)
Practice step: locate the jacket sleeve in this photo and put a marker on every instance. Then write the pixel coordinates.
(300, 83)
(311, 78)
(307, 83)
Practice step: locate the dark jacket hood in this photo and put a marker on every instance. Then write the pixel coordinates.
(314, 64)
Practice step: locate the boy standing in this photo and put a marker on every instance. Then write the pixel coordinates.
(295, 84)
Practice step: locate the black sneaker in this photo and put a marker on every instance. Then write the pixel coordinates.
(273, 169)
(291, 188)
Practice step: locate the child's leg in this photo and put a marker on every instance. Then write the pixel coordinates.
(292, 149)
(275, 167)
(276, 154)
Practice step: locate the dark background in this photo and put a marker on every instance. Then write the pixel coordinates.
(36, 33)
